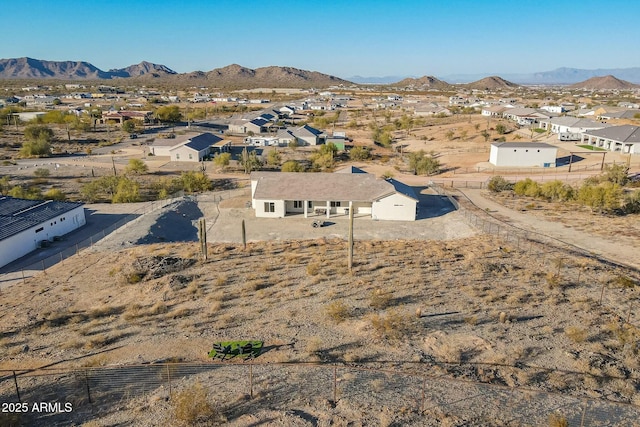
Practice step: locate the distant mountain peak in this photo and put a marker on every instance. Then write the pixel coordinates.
(491, 83)
(607, 82)
(424, 82)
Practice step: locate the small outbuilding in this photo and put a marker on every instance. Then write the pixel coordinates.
(523, 154)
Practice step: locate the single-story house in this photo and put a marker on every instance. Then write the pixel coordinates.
(523, 154)
(122, 116)
(27, 223)
(493, 110)
(281, 194)
(196, 148)
(625, 138)
(571, 128)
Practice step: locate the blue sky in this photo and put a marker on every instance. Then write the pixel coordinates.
(343, 38)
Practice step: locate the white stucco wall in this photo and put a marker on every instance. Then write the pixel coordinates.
(523, 156)
(396, 207)
(279, 206)
(181, 154)
(27, 241)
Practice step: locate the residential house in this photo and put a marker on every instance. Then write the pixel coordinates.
(428, 110)
(493, 110)
(189, 148)
(625, 138)
(570, 128)
(522, 154)
(281, 194)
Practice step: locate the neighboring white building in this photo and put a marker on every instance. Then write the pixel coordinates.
(26, 223)
(625, 138)
(571, 128)
(523, 154)
(279, 194)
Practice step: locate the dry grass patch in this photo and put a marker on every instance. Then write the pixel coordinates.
(338, 311)
(192, 406)
(392, 325)
(576, 334)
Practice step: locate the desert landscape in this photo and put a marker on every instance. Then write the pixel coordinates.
(498, 306)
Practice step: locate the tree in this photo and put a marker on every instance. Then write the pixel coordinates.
(222, 160)
(501, 129)
(274, 158)
(194, 181)
(169, 114)
(422, 164)
(129, 126)
(127, 191)
(485, 135)
(292, 166)
(359, 153)
(38, 141)
(137, 166)
(249, 161)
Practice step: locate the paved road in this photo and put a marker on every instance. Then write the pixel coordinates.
(620, 250)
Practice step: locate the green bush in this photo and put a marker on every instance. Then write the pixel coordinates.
(498, 184)
(527, 187)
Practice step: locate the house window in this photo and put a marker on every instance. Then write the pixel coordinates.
(177, 156)
(269, 207)
(190, 156)
(335, 204)
(297, 204)
(39, 229)
(309, 204)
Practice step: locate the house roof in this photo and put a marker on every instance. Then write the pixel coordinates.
(626, 114)
(17, 215)
(624, 133)
(199, 142)
(522, 145)
(355, 187)
(306, 130)
(350, 169)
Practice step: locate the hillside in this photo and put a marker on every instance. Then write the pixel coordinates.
(424, 82)
(238, 76)
(604, 83)
(29, 68)
(491, 83)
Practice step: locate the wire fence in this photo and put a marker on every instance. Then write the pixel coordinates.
(246, 388)
(617, 293)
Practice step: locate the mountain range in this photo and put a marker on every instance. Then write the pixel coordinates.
(237, 76)
(558, 76)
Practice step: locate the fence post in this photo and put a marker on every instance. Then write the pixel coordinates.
(251, 380)
(15, 381)
(23, 279)
(424, 386)
(584, 413)
(86, 381)
(601, 294)
(335, 384)
(169, 379)
(76, 249)
(44, 270)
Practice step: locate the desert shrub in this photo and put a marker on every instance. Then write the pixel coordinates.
(557, 191)
(41, 172)
(601, 198)
(359, 153)
(498, 184)
(292, 166)
(55, 194)
(380, 299)
(576, 334)
(338, 311)
(313, 269)
(527, 187)
(631, 203)
(556, 420)
(391, 326)
(192, 406)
